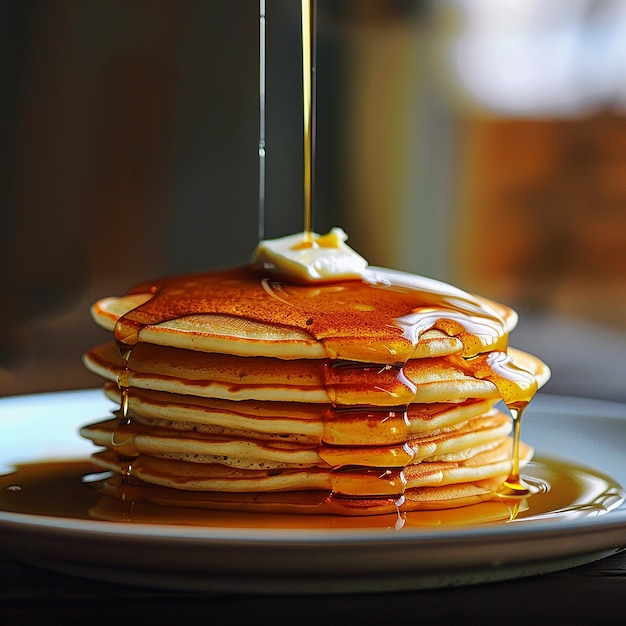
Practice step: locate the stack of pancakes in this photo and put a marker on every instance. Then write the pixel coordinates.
(243, 391)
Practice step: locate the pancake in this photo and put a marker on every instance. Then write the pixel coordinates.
(265, 378)
(304, 321)
(445, 499)
(251, 389)
(296, 421)
(352, 482)
(451, 445)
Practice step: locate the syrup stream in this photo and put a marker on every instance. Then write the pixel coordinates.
(308, 100)
(261, 120)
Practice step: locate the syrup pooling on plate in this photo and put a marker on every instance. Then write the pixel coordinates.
(61, 489)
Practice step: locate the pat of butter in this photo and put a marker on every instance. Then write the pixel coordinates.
(310, 258)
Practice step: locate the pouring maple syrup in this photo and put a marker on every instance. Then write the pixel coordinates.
(313, 309)
(308, 102)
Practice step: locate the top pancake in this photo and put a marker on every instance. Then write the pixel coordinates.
(387, 317)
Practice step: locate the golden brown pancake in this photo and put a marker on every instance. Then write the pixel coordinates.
(311, 503)
(350, 482)
(296, 421)
(476, 435)
(345, 319)
(187, 372)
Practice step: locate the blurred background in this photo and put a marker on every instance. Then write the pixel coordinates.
(481, 142)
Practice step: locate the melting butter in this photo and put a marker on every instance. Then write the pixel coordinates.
(310, 257)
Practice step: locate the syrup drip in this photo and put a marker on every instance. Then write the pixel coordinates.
(386, 379)
(122, 439)
(516, 387)
(515, 486)
(346, 426)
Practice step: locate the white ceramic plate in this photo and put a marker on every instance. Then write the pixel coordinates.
(258, 560)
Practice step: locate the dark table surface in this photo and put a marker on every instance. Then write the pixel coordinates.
(589, 594)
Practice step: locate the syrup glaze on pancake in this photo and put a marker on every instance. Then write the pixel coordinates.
(379, 319)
